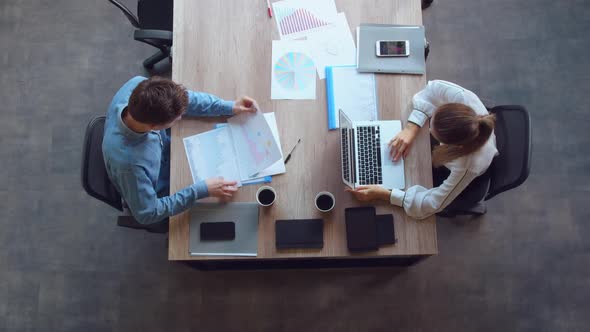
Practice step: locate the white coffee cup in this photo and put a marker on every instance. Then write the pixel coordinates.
(325, 208)
(269, 196)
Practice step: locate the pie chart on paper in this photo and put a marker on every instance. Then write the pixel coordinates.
(294, 71)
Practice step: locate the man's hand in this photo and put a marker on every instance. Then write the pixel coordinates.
(400, 144)
(220, 188)
(370, 193)
(245, 105)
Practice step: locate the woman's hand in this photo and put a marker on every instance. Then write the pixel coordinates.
(370, 193)
(245, 105)
(400, 144)
(220, 188)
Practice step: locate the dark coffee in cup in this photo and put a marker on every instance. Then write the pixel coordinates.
(266, 196)
(324, 202)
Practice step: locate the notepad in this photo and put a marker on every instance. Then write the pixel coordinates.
(351, 91)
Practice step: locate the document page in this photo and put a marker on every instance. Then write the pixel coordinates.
(211, 154)
(254, 144)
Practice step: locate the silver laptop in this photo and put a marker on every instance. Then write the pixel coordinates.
(365, 153)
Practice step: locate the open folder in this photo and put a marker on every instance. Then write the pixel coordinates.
(241, 151)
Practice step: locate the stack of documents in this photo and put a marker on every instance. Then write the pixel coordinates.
(247, 148)
(313, 35)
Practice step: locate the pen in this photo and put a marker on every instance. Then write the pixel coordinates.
(293, 149)
(268, 8)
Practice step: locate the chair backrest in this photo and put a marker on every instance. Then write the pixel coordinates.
(155, 14)
(513, 139)
(95, 179)
(130, 16)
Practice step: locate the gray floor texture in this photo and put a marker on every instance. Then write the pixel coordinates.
(65, 266)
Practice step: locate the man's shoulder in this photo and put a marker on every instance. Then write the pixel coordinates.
(126, 155)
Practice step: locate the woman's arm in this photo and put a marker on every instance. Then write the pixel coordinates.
(421, 203)
(425, 102)
(435, 94)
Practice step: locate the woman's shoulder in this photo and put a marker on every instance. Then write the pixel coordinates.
(477, 162)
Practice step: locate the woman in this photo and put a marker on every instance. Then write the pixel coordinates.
(463, 126)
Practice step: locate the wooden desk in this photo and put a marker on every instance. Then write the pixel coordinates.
(224, 48)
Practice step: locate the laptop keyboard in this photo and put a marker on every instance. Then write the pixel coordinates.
(345, 162)
(369, 155)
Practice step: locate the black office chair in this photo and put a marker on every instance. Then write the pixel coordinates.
(508, 170)
(154, 26)
(96, 182)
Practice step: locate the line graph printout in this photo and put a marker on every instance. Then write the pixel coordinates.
(254, 143)
(293, 70)
(211, 154)
(299, 18)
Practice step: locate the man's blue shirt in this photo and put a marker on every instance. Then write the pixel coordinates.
(138, 164)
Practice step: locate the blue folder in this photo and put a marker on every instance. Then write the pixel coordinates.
(332, 111)
(351, 93)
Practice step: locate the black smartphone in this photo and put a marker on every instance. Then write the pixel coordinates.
(218, 231)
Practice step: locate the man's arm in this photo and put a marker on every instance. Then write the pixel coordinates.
(204, 104)
(146, 207)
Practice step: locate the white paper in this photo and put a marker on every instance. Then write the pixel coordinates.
(355, 94)
(254, 143)
(299, 18)
(279, 166)
(212, 154)
(293, 74)
(333, 46)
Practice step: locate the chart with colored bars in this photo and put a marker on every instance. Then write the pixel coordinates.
(294, 20)
(294, 71)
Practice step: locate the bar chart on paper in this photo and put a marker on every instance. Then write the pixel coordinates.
(295, 18)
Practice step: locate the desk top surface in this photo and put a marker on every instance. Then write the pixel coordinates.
(224, 48)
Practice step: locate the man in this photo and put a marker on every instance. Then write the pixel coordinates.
(136, 145)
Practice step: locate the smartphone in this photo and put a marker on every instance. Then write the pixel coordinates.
(218, 231)
(385, 48)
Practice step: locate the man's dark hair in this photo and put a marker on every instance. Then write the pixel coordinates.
(157, 101)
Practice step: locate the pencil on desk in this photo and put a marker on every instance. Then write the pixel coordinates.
(269, 10)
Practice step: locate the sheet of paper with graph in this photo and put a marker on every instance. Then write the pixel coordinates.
(239, 151)
(298, 19)
(293, 70)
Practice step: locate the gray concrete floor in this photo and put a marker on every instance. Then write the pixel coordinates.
(65, 266)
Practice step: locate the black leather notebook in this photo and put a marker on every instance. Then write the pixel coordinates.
(361, 228)
(299, 233)
(385, 229)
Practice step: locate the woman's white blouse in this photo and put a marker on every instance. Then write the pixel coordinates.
(420, 202)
